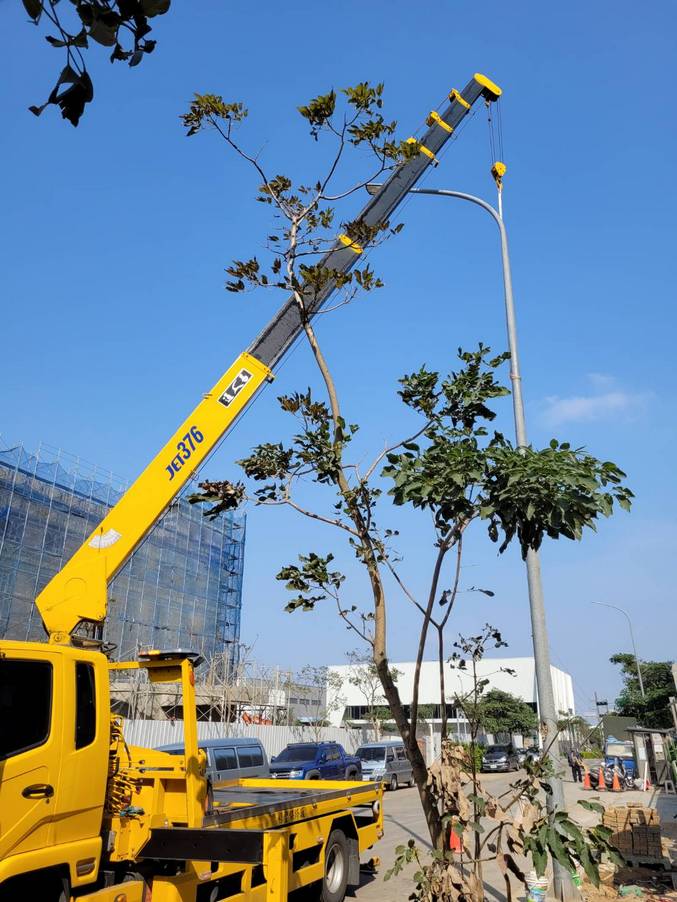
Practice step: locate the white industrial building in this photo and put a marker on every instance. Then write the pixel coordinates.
(348, 697)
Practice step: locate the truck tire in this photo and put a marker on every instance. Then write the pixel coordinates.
(351, 773)
(392, 786)
(336, 865)
(312, 775)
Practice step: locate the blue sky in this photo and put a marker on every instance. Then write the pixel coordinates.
(115, 236)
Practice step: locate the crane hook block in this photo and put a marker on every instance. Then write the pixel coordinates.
(435, 119)
(498, 170)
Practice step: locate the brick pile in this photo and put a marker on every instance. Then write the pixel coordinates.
(636, 830)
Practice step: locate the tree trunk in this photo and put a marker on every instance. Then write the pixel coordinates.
(416, 759)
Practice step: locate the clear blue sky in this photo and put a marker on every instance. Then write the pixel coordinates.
(115, 236)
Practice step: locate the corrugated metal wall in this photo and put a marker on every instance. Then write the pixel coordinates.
(151, 733)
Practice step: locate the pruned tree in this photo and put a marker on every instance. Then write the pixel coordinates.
(122, 26)
(451, 467)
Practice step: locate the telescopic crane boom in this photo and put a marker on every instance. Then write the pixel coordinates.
(78, 593)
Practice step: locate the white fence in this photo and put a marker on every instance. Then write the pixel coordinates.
(152, 733)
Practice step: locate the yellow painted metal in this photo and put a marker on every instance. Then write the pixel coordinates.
(424, 150)
(62, 828)
(435, 119)
(195, 780)
(78, 592)
(498, 170)
(488, 84)
(353, 245)
(456, 95)
(277, 864)
(130, 891)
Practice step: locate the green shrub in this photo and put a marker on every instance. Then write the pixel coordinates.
(594, 752)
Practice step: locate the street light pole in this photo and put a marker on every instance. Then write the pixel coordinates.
(614, 607)
(546, 697)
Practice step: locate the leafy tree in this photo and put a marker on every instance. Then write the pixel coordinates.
(659, 685)
(121, 25)
(503, 712)
(452, 468)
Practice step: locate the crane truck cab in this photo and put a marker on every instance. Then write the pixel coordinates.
(54, 746)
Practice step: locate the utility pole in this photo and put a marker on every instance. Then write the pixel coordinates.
(546, 699)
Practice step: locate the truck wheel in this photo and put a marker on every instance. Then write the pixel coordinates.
(393, 783)
(336, 857)
(351, 774)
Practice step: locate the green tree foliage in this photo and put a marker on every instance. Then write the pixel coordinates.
(659, 685)
(503, 712)
(121, 25)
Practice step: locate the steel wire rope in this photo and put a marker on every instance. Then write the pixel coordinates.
(499, 117)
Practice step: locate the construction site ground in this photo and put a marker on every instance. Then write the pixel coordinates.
(404, 820)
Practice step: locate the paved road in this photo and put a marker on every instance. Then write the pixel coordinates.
(403, 819)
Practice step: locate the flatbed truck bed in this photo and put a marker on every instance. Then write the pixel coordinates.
(262, 839)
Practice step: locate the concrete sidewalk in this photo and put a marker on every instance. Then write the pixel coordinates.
(404, 820)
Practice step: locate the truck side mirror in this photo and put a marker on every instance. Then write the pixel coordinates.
(274, 758)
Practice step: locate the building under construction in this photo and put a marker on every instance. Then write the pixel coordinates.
(182, 587)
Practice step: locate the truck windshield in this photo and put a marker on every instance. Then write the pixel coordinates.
(375, 754)
(298, 753)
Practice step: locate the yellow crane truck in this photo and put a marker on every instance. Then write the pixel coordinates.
(84, 815)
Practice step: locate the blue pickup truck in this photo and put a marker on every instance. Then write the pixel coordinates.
(315, 761)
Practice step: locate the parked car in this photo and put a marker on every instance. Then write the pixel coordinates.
(386, 761)
(522, 755)
(232, 758)
(315, 761)
(500, 758)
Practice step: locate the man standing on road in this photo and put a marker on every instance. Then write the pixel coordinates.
(576, 765)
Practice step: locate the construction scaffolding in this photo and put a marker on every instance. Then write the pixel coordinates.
(229, 689)
(182, 588)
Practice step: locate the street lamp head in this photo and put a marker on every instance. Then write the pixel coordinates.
(373, 187)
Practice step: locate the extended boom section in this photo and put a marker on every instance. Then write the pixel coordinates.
(78, 593)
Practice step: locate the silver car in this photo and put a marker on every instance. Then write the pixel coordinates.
(386, 762)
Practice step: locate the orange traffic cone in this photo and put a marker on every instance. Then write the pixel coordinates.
(586, 778)
(601, 782)
(616, 783)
